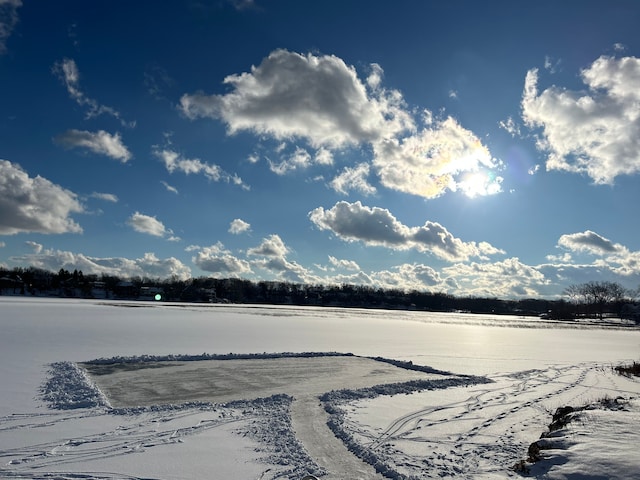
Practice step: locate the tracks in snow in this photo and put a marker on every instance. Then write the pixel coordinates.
(481, 430)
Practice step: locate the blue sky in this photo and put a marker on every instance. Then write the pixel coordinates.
(473, 148)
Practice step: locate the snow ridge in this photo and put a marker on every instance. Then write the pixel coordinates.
(68, 387)
(271, 427)
(211, 356)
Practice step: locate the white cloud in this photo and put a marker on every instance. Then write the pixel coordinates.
(443, 157)
(271, 246)
(107, 197)
(239, 226)
(2, 244)
(8, 21)
(378, 227)
(36, 247)
(174, 161)
(150, 225)
(619, 47)
(597, 132)
(274, 253)
(551, 64)
(100, 142)
(589, 242)
(611, 258)
(147, 266)
(218, 260)
(324, 156)
(408, 277)
(345, 264)
(510, 126)
(317, 98)
(353, 179)
(34, 204)
(298, 160)
(169, 188)
(503, 279)
(68, 73)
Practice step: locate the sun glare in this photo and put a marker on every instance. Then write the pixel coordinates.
(480, 184)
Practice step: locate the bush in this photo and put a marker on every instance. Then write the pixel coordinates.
(628, 370)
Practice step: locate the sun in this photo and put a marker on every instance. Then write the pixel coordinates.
(480, 184)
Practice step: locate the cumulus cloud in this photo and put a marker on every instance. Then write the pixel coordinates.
(610, 258)
(378, 227)
(68, 73)
(150, 225)
(174, 161)
(239, 226)
(444, 156)
(273, 258)
(506, 278)
(8, 21)
(147, 266)
(589, 242)
(408, 277)
(318, 98)
(218, 260)
(594, 132)
(34, 204)
(99, 142)
(345, 264)
(353, 179)
(271, 246)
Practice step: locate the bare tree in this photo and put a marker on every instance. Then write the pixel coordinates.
(597, 295)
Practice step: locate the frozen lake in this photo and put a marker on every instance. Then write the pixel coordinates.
(39, 331)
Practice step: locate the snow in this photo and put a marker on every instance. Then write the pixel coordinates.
(507, 377)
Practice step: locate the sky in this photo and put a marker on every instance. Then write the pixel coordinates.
(471, 148)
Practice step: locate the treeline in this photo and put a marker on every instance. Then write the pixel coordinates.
(33, 281)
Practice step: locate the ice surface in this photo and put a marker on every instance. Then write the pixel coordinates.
(473, 431)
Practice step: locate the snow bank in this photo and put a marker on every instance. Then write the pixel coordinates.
(599, 440)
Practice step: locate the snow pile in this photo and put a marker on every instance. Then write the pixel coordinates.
(68, 387)
(599, 440)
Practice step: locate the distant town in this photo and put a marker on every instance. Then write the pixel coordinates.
(600, 300)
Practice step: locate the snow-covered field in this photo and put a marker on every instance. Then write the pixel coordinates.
(326, 415)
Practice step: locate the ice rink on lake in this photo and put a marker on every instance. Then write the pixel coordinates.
(455, 430)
